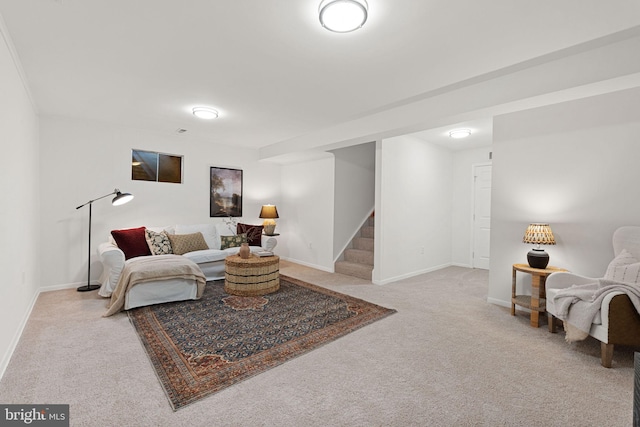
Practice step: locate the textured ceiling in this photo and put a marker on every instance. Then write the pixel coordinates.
(268, 66)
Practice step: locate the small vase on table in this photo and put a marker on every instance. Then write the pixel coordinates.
(244, 251)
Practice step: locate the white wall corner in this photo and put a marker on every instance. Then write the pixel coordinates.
(16, 62)
(6, 358)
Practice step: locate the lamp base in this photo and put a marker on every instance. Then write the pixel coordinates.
(538, 258)
(86, 288)
(269, 229)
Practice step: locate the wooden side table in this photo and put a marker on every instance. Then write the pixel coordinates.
(537, 301)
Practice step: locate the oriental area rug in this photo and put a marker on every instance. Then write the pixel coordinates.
(198, 348)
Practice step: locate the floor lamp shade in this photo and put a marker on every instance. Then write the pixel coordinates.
(120, 199)
(538, 234)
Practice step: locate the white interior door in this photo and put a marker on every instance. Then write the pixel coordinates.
(481, 215)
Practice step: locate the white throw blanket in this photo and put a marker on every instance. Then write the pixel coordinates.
(153, 269)
(578, 305)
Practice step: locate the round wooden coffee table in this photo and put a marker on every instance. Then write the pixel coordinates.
(251, 276)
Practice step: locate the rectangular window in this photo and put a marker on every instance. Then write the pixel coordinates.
(159, 167)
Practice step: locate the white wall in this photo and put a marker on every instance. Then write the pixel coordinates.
(462, 203)
(355, 178)
(306, 220)
(574, 165)
(19, 186)
(413, 208)
(84, 160)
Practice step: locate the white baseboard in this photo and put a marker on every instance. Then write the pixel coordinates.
(459, 264)
(65, 286)
(499, 302)
(16, 338)
(307, 264)
(23, 323)
(408, 275)
(507, 304)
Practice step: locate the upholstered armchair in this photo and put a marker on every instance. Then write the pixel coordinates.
(618, 321)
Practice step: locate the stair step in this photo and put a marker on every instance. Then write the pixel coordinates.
(367, 231)
(358, 256)
(352, 269)
(364, 243)
(371, 221)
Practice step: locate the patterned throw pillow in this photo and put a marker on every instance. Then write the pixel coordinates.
(159, 243)
(132, 242)
(208, 231)
(227, 242)
(624, 268)
(253, 232)
(183, 243)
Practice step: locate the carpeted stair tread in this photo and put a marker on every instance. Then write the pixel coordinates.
(363, 271)
(367, 231)
(363, 243)
(357, 260)
(359, 256)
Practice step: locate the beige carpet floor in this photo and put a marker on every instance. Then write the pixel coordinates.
(447, 358)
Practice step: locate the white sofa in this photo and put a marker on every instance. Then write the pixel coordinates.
(210, 261)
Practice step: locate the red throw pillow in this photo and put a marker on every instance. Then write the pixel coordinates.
(132, 241)
(253, 232)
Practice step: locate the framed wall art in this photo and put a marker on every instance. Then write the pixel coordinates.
(225, 192)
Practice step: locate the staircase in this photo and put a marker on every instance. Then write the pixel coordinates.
(358, 258)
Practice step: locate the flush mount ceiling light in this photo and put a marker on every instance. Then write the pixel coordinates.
(343, 16)
(205, 113)
(460, 133)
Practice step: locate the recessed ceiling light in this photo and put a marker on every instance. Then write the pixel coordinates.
(205, 113)
(343, 16)
(460, 133)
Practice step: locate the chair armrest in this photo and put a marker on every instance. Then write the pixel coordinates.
(112, 259)
(606, 302)
(564, 279)
(621, 319)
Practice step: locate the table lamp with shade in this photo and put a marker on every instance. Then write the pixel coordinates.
(538, 234)
(269, 213)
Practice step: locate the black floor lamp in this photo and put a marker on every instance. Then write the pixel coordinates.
(120, 199)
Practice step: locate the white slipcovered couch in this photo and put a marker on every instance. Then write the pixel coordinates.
(210, 261)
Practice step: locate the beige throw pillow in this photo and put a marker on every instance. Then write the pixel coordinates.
(183, 243)
(624, 268)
